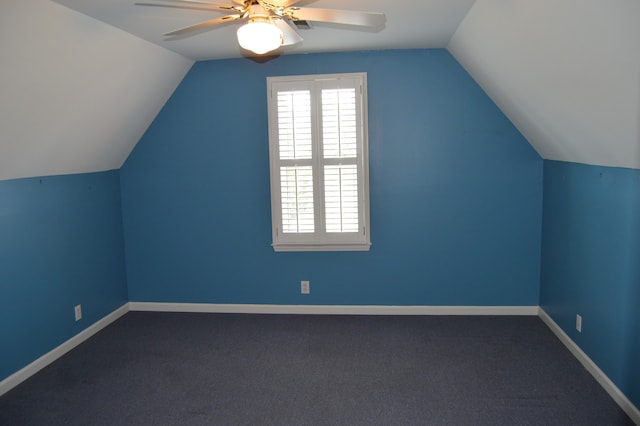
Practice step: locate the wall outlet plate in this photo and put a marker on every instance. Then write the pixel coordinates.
(305, 287)
(579, 323)
(78, 311)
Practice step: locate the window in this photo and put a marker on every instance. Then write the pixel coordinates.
(319, 162)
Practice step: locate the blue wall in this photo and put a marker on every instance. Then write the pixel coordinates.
(456, 193)
(456, 196)
(591, 264)
(61, 244)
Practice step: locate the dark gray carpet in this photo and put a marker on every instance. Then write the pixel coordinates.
(218, 369)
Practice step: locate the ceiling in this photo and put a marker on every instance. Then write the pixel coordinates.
(409, 24)
(77, 93)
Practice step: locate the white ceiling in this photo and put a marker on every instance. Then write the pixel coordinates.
(76, 94)
(409, 24)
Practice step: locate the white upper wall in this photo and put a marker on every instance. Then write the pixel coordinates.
(76, 94)
(567, 73)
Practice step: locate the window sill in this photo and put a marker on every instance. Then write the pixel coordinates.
(321, 247)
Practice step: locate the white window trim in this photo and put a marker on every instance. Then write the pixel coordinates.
(319, 240)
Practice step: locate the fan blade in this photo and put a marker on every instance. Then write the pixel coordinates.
(178, 6)
(200, 3)
(282, 3)
(202, 25)
(289, 34)
(336, 16)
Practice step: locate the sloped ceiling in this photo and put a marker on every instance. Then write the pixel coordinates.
(76, 94)
(567, 73)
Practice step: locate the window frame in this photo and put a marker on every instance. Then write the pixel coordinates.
(320, 239)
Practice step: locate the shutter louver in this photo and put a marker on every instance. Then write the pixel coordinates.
(341, 198)
(296, 185)
(339, 125)
(294, 124)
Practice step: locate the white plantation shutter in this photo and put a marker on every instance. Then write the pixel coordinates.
(340, 140)
(294, 143)
(339, 124)
(319, 163)
(296, 185)
(294, 124)
(341, 198)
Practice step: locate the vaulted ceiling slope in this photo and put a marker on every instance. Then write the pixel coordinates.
(76, 94)
(566, 73)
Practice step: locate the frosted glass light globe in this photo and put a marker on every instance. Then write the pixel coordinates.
(259, 36)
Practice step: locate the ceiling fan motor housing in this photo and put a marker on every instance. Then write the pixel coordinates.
(258, 13)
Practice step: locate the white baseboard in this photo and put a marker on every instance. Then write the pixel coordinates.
(23, 374)
(604, 381)
(333, 309)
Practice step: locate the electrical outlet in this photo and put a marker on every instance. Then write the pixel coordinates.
(78, 312)
(305, 287)
(579, 323)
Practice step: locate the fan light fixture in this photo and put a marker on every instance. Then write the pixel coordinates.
(259, 35)
(269, 23)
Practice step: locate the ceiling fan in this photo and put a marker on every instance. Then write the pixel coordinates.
(270, 23)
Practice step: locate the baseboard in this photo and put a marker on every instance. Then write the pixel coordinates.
(333, 309)
(23, 374)
(604, 381)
